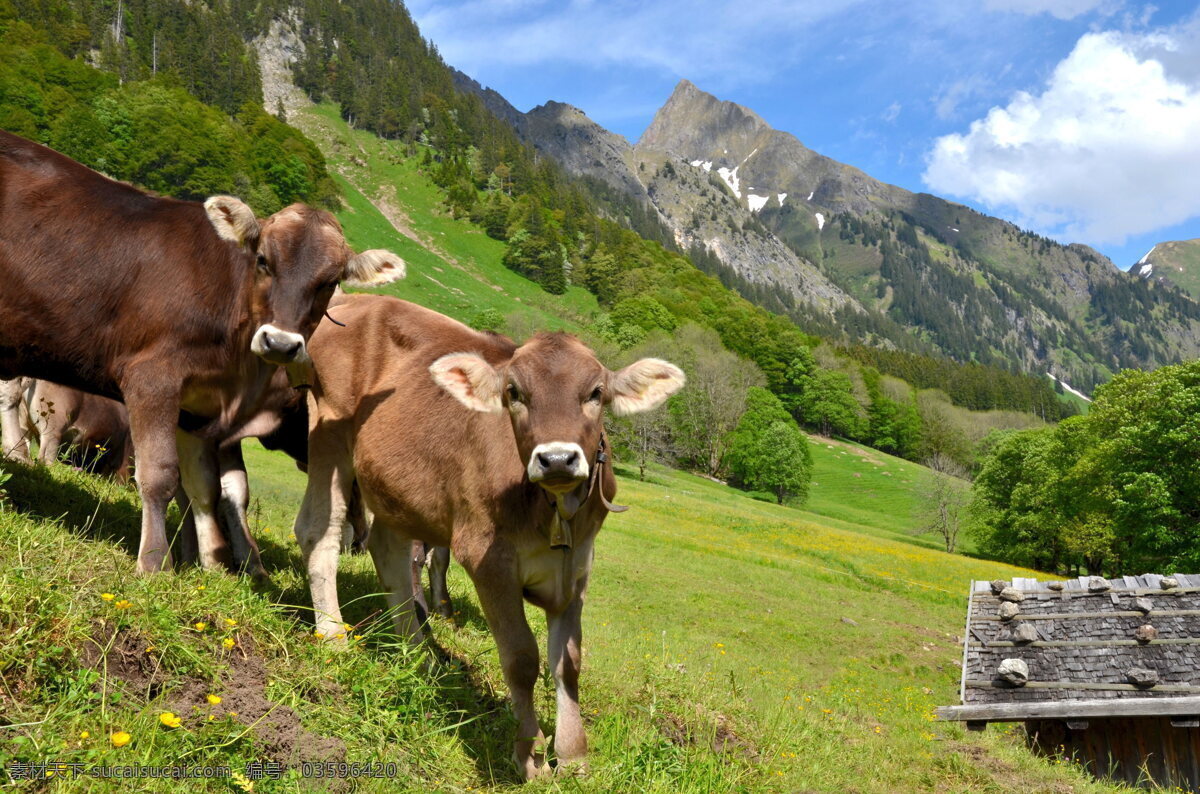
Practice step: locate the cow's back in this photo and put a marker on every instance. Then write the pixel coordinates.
(414, 444)
(95, 273)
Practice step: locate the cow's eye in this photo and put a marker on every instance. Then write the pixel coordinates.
(596, 394)
(514, 394)
(262, 265)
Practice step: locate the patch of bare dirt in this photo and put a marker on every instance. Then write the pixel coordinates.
(275, 728)
(385, 202)
(1005, 775)
(720, 737)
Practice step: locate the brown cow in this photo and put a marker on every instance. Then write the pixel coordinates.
(463, 439)
(96, 429)
(180, 309)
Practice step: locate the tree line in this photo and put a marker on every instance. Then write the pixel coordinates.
(153, 132)
(1114, 492)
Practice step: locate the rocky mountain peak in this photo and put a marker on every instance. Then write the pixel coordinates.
(693, 123)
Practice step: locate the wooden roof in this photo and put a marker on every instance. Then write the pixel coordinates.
(1084, 645)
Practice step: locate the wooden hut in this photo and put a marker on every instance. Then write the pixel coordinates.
(1104, 670)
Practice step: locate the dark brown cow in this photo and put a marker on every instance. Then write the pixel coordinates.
(180, 309)
(463, 439)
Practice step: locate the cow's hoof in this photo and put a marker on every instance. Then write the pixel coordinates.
(153, 564)
(258, 576)
(577, 767)
(532, 767)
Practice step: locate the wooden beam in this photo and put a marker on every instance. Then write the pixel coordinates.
(1072, 709)
(1084, 643)
(979, 683)
(1154, 613)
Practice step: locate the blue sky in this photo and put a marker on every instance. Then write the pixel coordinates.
(1079, 119)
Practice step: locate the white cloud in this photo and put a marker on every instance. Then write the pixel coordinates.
(1062, 9)
(891, 112)
(1110, 148)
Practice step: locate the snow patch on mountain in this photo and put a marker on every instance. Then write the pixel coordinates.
(820, 221)
(705, 164)
(756, 202)
(1142, 261)
(731, 179)
(781, 197)
(1067, 387)
(1147, 270)
(810, 195)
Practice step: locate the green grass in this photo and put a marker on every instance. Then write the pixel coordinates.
(716, 654)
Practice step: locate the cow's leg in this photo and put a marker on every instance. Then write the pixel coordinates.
(50, 438)
(563, 646)
(417, 560)
(153, 411)
(360, 524)
(318, 529)
(186, 552)
(501, 599)
(439, 563)
(235, 502)
(391, 551)
(200, 475)
(12, 438)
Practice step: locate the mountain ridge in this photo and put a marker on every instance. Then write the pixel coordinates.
(784, 217)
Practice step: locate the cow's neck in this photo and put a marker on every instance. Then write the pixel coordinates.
(242, 380)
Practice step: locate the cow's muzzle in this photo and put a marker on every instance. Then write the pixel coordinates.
(558, 466)
(278, 346)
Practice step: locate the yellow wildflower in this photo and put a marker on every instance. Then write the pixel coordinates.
(84, 735)
(199, 625)
(107, 596)
(228, 643)
(123, 604)
(120, 739)
(230, 622)
(169, 719)
(214, 699)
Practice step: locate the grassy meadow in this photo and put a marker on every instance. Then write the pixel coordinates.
(730, 645)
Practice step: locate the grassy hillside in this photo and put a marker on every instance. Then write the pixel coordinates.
(1178, 262)
(453, 266)
(730, 645)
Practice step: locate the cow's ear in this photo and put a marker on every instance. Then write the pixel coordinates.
(374, 268)
(643, 385)
(233, 221)
(470, 380)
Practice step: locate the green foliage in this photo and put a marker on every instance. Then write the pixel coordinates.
(1116, 490)
(644, 312)
(827, 403)
(767, 451)
(155, 134)
(487, 320)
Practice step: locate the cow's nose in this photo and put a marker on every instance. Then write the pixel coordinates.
(279, 346)
(283, 346)
(558, 460)
(559, 463)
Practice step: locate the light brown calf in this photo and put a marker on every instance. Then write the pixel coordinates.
(95, 428)
(463, 439)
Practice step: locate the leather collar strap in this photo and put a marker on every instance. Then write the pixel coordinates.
(560, 526)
